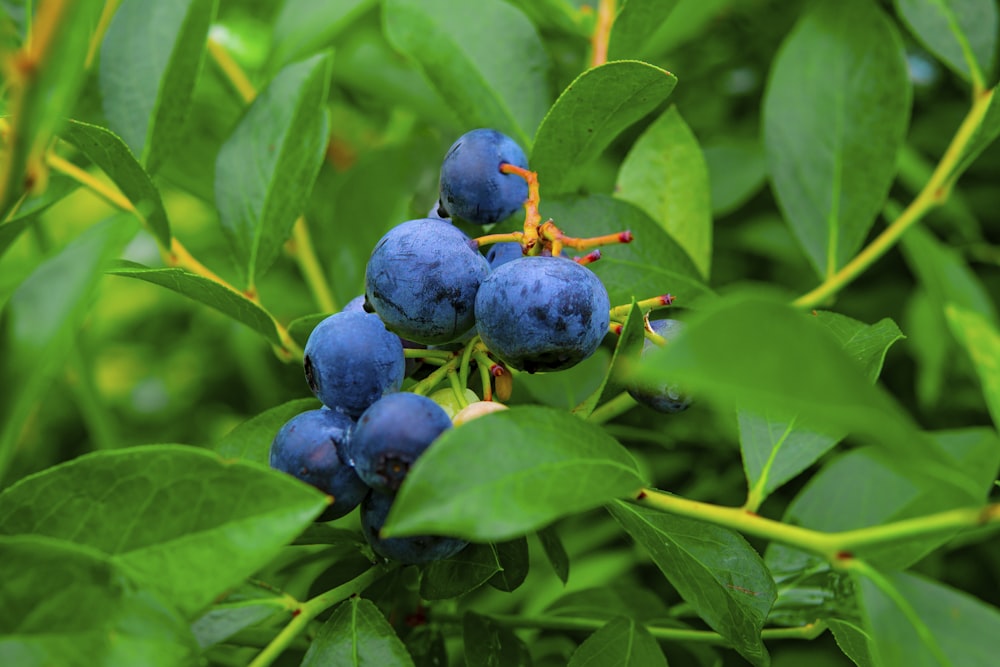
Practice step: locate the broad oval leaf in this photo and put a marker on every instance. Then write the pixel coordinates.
(510, 472)
(665, 175)
(106, 150)
(713, 568)
(484, 58)
(962, 33)
(737, 170)
(64, 604)
(467, 570)
(357, 634)
(835, 114)
(514, 565)
(207, 292)
(634, 25)
(622, 642)
(251, 440)
(981, 339)
(180, 520)
(265, 170)
(306, 26)
(150, 57)
(589, 114)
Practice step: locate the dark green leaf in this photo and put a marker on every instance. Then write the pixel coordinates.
(714, 569)
(915, 621)
(472, 61)
(513, 558)
(607, 602)
(357, 634)
(835, 115)
(106, 150)
(551, 464)
(736, 171)
(630, 341)
(634, 24)
(589, 114)
(207, 292)
(265, 170)
(962, 33)
(67, 605)
(651, 265)
(251, 440)
(487, 643)
(981, 340)
(555, 552)
(620, 642)
(182, 521)
(665, 175)
(466, 571)
(150, 59)
(304, 27)
(867, 344)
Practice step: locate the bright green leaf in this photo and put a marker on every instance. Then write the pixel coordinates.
(962, 33)
(551, 464)
(714, 569)
(357, 634)
(67, 605)
(106, 150)
(589, 114)
(634, 24)
(150, 58)
(853, 641)
(621, 642)
(737, 170)
(303, 27)
(180, 520)
(835, 113)
(982, 341)
(628, 347)
(265, 170)
(251, 440)
(665, 175)
(11, 230)
(485, 59)
(207, 292)
(867, 344)
(223, 621)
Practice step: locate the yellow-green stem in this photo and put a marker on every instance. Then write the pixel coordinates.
(616, 407)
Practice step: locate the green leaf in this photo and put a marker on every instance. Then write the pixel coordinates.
(961, 33)
(665, 175)
(915, 621)
(487, 60)
(867, 344)
(11, 230)
(736, 171)
(616, 598)
(466, 571)
(150, 58)
(621, 642)
(589, 114)
(514, 565)
(64, 604)
(205, 291)
(41, 317)
(714, 569)
(300, 328)
(180, 520)
(853, 641)
(488, 643)
(651, 265)
(357, 634)
(981, 340)
(251, 440)
(223, 621)
(634, 25)
(555, 552)
(265, 170)
(106, 150)
(628, 347)
(551, 464)
(836, 111)
(303, 27)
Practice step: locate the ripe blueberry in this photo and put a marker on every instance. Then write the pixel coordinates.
(408, 550)
(422, 279)
(351, 360)
(310, 447)
(542, 313)
(473, 187)
(501, 253)
(664, 397)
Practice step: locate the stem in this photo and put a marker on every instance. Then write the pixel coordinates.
(486, 377)
(110, 7)
(232, 71)
(616, 407)
(312, 270)
(602, 32)
(426, 385)
(457, 388)
(933, 194)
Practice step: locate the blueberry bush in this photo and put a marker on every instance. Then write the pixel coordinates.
(499, 332)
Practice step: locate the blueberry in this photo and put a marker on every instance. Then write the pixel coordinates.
(357, 304)
(351, 360)
(310, 446)
(422, 279)
(391, 435)
(408, 550)
(665, 397)
(501, 253)
(473, 187)
(542, 313)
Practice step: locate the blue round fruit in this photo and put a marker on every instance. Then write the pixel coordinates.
(422, 278)
(542, 313)
(407, 550)
(501, 253)
(351, 360)
(473, 187)
(310, 446)
(391, 435)
(667, 396)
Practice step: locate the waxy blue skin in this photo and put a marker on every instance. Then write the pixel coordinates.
(473, 187)
(407, 550)
(357, 305)
(391, 435)
(351, 360)
(422, 278)
(665, 397)
(501, 253)
(310, 446)
(542, 313)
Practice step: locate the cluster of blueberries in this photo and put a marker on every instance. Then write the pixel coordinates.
(427, 284)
